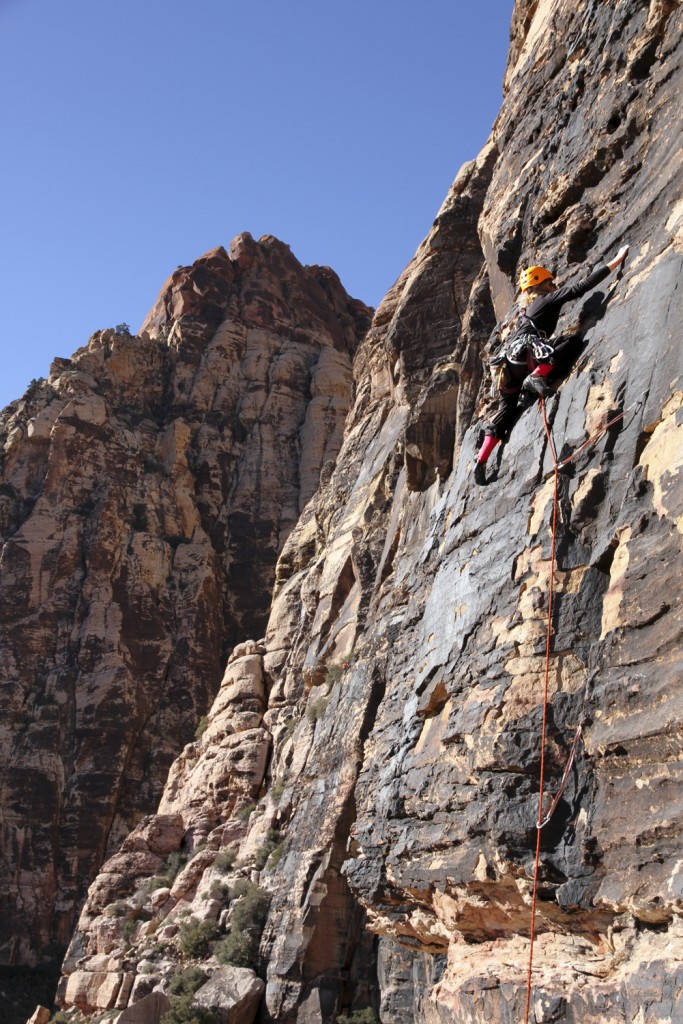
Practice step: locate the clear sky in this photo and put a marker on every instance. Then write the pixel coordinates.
(138, 134)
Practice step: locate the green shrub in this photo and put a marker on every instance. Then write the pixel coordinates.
(175, 862)
(246, 811)
(240, 947)
(276, 855)
(278, 788)
(34, 387)
(333, 674)
(366, 1016)
(225, 861)
(316, 709)
(129, 929)
(290, 726)
(183, 1012)
(236, 949)
(264, 851)
(202, 726)
(156, 882)
(122, 330)
(59, 1018)
(118, 909)
(196, 938)
(187, 982)
(251, 905)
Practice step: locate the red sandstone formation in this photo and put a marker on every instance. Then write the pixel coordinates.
(147, 489)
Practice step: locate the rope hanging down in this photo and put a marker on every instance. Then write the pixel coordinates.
(544, 723)
(544, 819)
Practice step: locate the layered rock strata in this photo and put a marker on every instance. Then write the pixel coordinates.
(391, 732)
(147, 489)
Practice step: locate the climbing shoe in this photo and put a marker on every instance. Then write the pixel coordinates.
(537, 386)
(479, 473)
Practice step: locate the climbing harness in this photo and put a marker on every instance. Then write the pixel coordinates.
(529, 344)
(523, 345)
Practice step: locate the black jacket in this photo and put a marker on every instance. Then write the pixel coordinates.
(545, 310)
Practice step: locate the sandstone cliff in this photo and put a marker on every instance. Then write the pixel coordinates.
(370, 768)
(147, 489)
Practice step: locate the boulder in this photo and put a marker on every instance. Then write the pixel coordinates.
(148, 1010)
(233, 991)
(41, 1015)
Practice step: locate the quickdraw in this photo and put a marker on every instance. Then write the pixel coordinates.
(563, 780)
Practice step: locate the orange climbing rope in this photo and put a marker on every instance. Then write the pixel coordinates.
(543, 820)
(548, 646)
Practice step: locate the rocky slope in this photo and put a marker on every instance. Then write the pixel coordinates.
(370, 769)
(147, 489)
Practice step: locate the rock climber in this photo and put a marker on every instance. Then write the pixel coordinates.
(529, 356)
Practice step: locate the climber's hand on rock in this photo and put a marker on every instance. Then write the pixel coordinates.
(619, 258)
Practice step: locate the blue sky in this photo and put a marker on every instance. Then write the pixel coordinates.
(139, 134)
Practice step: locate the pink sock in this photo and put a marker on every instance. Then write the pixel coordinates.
(487, 447)
(543, 369)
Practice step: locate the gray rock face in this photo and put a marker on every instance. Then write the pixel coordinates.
(421, 777)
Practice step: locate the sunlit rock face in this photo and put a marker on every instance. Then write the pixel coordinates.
(435, 590)
(371, 762)
(147, 490)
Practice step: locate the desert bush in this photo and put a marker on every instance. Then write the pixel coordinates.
(129, 929)
(366, 1016)
(277, 789)
(196, 938)
(175, 862)
(276, 855)
(187, 982)
(290, 726)
(118, 909)
(240, 947)
(267, 847)
(246, 811)
(235, 949)
(316, 709)
(251, 905)
(202, 726)
(183, 1012)
(333, 674)
(34, 387)
(225, 861)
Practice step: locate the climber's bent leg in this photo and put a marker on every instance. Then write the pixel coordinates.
(487, 447)
(500, 426)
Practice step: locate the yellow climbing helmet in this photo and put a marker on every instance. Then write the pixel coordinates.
(532, 276)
